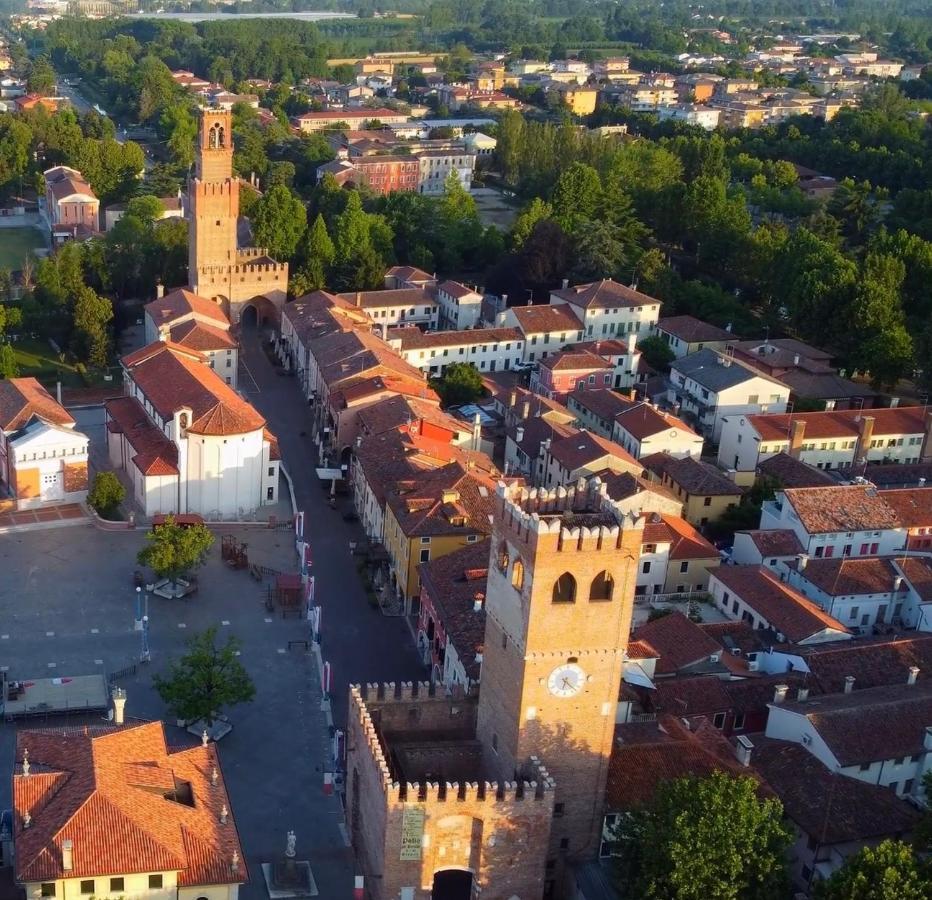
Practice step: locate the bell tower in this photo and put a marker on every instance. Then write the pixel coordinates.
(558, 614)
(213, 197)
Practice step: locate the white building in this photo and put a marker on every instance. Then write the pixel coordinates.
(876, 734)
(195, 323)
(644, 429)
(704, 116)
(187, 441)
(460, 306)
(828, 440)
(708, 386)
(436, 166)
(546, 329)
(404, 306)
(607, 308)
(488, 349)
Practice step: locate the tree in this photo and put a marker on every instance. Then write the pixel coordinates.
(180, 125)
(536, 211)
(206, 679)
(889, 871)
(460, 383)
(279, 221)
(92, 314)
(576, 195)
(318, 252)
(657, 353)
(351, 229)
(709, 839)
(107, 494)
(8, 367)
(41, 79)
(172, 551)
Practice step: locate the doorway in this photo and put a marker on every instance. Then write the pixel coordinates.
(250, 317)
(452, 884)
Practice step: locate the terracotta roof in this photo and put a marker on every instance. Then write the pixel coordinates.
(872, 662)
(547, 319)
(853, 507)
(912, 507)
(676, 642)
(21, 399)
(453, 288)
(602, 402)
(410, 274)
(319, 313)
(685, 542)
(887, 722)
(622, 485)
(830, 808)
(575, 361)
(412, 338)
(844, 576)
(105, 789)
(415, 296)
(793, 473)
(65, 182)
(605, 294)
(454, 583)
(182, 302)
(607, 348)
(155, 453)
(898, 474)
(198, 336)
(274, 449)
(692, 475)
(172, 378)
(339, 115)
(776, 542)
(693, 330)
(786, 610)
(644, 421)
(584, 448)
(918, 572)
(400, 413)
(736, 635)
(448, 501)
(901, 420)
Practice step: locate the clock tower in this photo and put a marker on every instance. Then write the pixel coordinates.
(558, 614)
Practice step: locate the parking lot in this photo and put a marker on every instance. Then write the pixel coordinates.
(67, 607)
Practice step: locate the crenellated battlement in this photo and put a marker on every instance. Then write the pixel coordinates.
(243, 269)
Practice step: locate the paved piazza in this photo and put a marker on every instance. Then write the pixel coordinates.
(67, 607)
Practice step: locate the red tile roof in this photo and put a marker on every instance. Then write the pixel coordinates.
(645, 420)
(871, 662)
(853, 507)
(697, 478)
(783, 608)
(585, 448)
(864, 575)
(104, 789)
(676, 642)
(575, 361)
(415, 296)
(412, 338)
(912, 507)
(23, 398)
(605, 294)
(155, 453)
(841, 423)
(172, 378)
(548, 319)
(776, 542)
(182, 302)
(198, 336)
(685, 541)
(602, 402)
(693, 330)
(791, 472)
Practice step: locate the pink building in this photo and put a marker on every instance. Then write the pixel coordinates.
(559, 375)
(71, 206)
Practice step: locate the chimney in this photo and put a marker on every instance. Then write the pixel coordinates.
(743, 749)
(913, 675)
(224, 812)
(119, 704)
(894, 402)
(512, 398)
(477, 432)
(797, 433)
(802, 694)
(67, 855)
(477, 601)
(526, 410)
(159, 290)
(864, 440)
(849, 683)
(802, 560)
(358, 300)
(795, 359)
(779, 692)
(519, 434)
(566, 283)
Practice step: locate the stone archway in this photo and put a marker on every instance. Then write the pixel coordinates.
(452, 884)
(249, 317)
(259, 312)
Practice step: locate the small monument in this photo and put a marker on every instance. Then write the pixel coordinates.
(289, 877)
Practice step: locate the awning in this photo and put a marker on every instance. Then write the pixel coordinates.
(329, 474)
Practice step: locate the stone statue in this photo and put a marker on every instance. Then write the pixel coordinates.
(289, 848)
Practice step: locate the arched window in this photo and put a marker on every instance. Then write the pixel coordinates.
(517, 574)
(601, 588)
(564, 589)
(215, 137)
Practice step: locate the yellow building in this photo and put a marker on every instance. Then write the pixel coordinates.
(424, 520)
(580, 100)
(705, 491)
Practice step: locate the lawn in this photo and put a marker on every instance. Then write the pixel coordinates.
(16, 244)
(37, 358)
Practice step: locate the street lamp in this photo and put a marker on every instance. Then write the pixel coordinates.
(144, 655)
(137, 623)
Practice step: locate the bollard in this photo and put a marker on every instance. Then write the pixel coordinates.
(328, 783)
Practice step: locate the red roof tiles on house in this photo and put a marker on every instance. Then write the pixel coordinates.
(693, 330)
(644, 421)
(21, 399)
(605, 294)
(676, 642)
(547, 320)
(901, 420)
(155, 453)
(853, 507)
(575, 361)
(181, 302)
(198, 336)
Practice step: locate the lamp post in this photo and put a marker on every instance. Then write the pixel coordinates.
(137, 621)
(144, 656)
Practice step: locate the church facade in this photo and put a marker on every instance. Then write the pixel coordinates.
(245, 282)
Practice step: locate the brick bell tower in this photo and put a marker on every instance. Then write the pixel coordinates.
(558, 614)
(213, 197)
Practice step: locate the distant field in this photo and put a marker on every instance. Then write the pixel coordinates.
(16, 244)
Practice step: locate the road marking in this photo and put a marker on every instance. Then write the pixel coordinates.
(98, 662)
(53, 665)
(237, 653)
(50, 634)
(225, 622)
(268, 621)
(95, 631)
(4, 668)
(182, 625)
(242, 362)
(4, 637)
(282, 650)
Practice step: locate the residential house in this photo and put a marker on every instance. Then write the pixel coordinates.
(878, 735)
(769, 548)
(172, 208)
(624, 356)
(350, 118)
(436, 167)
(488, 349)
(675, 558)
(706, 491)
(687, 334)
(755, 595)
(644, 430)
(636, 495)
(596, 408)
(566, 371)
(607, 308)
(404, 306)
(674, 645)
(451, 620)
(427, 519)
(113, 811)
(580, 454)
(789, 472)
(528, 441)
(460, 306)
(195, 323)
(839, 439)
(186, 440)
(43, 457)
(71, 209)
(708, 386)
(546, 329)
(579, 99)
(408, 277)
(706, 117)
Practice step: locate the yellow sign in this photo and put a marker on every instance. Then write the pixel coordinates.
(412, 832)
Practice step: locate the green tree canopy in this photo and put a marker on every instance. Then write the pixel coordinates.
(889, 871)
(279, 221)
(460, 383)
(107, 494)
(172, 551)
(91, 337)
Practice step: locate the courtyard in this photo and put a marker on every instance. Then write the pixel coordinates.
(18, 243)
(67, 608)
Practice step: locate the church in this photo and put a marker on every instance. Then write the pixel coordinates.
(248, 285)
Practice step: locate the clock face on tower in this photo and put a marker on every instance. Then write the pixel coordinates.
(566, 680)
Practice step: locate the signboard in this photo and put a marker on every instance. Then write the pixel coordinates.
(412, 832)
